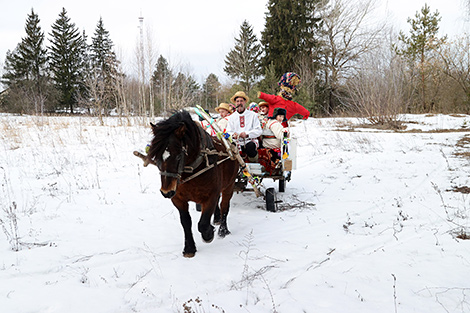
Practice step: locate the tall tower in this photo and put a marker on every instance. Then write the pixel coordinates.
(141, 65)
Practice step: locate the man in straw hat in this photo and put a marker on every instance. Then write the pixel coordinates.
(224, 109)
(244, 126)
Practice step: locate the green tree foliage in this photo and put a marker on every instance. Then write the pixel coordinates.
(65, 59)
(26, 69)
(84, 93)
(104, 68)
(243, 62)
(420, 50)
(289, 31)
(161, 78)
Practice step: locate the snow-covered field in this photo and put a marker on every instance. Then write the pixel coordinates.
(370, 223)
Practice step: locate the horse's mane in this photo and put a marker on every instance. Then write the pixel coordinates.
(164, 129)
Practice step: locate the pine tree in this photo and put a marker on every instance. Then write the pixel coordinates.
(162, 80)
(65, 59)
(289, 34)
(26, 66)
(243, 62)
(420, 48)
(86, 75)
(104, 67)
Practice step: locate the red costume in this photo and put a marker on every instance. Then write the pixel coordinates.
(290, 106)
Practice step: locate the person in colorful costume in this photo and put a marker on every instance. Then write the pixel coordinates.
(263, 113)
(224, 109)
(274, 132)
(288, 85)
(244, 127)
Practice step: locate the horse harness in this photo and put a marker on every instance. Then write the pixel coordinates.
(206, 149)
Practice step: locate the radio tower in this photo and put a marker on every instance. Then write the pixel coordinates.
(142, 64)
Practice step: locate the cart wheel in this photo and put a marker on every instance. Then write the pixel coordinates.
(198, 207)
(282, 185)
(270, 200)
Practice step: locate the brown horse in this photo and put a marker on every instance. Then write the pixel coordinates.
(193, 167)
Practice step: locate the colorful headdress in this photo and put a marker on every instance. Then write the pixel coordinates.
(289, 82)
(254, 107)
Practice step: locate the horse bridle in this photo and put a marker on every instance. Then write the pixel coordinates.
(203, 155)
(180, 158)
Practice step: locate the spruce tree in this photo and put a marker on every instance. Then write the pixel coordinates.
(104, 66)
(85, 74)
(289, 32)
(65, 59)
(26, 66)
(32, 49)
(161, 78)
(210, 91)
(243, 62)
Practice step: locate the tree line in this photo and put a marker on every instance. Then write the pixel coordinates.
(347, 61)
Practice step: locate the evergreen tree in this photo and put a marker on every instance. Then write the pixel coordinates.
(161, 78)
(84, 93)
(14, 68)
(420, 49)
(185, 91)
(289, 34)
(270, 82)
(210, 91)
(243, 62)
(26, 66)
(65, 59)
(104, 67)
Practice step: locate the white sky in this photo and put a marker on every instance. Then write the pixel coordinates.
(193, 34)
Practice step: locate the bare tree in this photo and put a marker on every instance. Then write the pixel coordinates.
(456, 57)
(348, 33)
(379, 90)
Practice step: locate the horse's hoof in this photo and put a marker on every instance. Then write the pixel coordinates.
(189, 255)
(223, 232)
(208, 240)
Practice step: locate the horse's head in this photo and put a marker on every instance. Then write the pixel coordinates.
(174, 143)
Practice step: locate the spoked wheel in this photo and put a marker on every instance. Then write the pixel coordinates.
(282, 184)
(270, 200)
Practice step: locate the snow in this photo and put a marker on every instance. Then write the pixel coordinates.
(369, 223)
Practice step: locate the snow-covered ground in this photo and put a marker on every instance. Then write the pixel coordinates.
(369, 223)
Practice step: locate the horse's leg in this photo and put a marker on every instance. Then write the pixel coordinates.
(224, 208)
(217, 213)
(204, 226)
(189, 245)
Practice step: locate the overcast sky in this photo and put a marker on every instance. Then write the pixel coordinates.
(193, 34)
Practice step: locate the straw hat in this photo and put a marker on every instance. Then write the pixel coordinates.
(264, 103)
(239, 94)
(225, 106)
